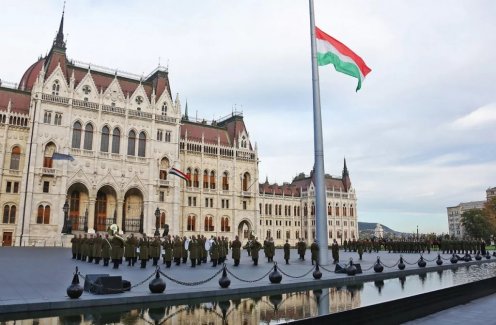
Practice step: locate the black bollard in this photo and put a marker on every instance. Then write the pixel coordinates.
(453, 259)
(488, 256)
(351, 269)
(401, 264)
(317, 274)
(378, 268)
(224, 281)
(75, 291)
(439, 261)
(421, 262)
(467, 257)
(275, 276)
(157, 285)
(478, 257)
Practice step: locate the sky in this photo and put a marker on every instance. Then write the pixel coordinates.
(418, 137)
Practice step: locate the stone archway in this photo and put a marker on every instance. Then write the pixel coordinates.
(78, 199)
(245, 229)
(132, 211)
(105, 208)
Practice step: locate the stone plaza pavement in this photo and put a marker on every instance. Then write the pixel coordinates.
(34, 279)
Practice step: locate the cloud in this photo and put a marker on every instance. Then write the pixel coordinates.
(484, 116)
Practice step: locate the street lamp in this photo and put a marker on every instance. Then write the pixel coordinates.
(157, 224)
(66, 228)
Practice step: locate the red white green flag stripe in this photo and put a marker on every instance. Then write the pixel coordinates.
(332, 51)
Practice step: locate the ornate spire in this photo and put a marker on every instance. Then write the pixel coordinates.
(59, 39)
(186, 111)
(345, 169)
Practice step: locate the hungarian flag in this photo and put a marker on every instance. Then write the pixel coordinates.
(177, 172)
(332, 51)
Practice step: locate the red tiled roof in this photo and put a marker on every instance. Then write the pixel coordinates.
(29, 77)
(303, 183)
(20, 100)
(210, 133)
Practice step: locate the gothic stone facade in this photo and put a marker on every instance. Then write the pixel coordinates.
(124, 133)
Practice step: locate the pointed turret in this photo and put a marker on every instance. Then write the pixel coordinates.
(59, 39)
(186, 118)
(346, 177)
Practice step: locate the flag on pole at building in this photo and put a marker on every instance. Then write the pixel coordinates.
(177, 172)
(332, 51)
(61, 156)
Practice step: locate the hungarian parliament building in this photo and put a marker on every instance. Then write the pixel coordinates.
(83, 147)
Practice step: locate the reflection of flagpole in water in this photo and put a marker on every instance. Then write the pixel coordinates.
(323, 302)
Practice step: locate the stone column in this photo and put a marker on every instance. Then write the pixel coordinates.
(91, 214)
(119, 206)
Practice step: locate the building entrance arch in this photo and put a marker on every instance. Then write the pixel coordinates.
(245, 229)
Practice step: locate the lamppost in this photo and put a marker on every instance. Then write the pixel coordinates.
(157, 223)
(66, 229)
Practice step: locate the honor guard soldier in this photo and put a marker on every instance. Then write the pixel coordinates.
(255, 249)
(177, 250)
(91, 242)
(184, 253)
(236, 250)
(97, 248)
(287, 250)
(167, 256)
(84, 248)
(106, 248)
(214, 252)
(193, 250)
(117, 250)
(143, 253)
(271, 250)
(155, 250)
(74, 247)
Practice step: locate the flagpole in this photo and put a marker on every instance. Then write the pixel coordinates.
(318, 173)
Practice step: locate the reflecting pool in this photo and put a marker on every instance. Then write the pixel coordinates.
(272, 309)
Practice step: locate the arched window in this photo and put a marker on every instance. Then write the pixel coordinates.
(164, 167)
(205, 178)
(297, 234)
(142, 144)
(224, 224)
(225, 181)
(162, 220)
(47, 118)
(329, 209)
(351, 211)
(313, 209)
(76, 135)
(330, 234)
(212, 180)
(337, 210)
(116, 140)
(278, 234)
(131, 143)
(191, 223)
(104, 146)
(209, 223)
(55, 88)
(188, 173)
(47, 157)
(196, 176)
(164, 109)
(43, 216)
(246, 181)
(88, 137)
(344, 211)
(305, 210)
(15, 158)
(9, 214)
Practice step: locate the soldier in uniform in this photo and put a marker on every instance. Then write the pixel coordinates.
(167, 256)
(128, 251)
(193, 250)
(271, 250)
(255, 248)
(75, 246)
(335, 251)
(84, 248)
(214, 251)
(248, 246)
(97, 248)
(106, 250)
(117, 251)
(345, 245)
(143, 254)
(184, 252)
(91, 242)
(154, 251)
(287, 250)
(203, 252)
(236, 250)
(314, 250)
(177, 250)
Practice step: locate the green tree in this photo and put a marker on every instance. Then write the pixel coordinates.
(477, 224)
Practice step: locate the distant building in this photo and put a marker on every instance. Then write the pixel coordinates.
(378, 231)
(490, 193)
(456, 228)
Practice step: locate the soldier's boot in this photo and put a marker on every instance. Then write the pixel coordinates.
(168, 264)
(155, 261)
(236, 262)
(185, 259)
(90, 259)
(134, 261)
(255, 261)
(97, 260)
(199, 261)
(73, 256)
(214, 263)
(193, 262)
(143, 264)
(116, 263)
(105, 262)
(287, 261)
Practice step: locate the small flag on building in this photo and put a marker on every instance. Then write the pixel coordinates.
(177, 172)
(332, 51)
(61, 156)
